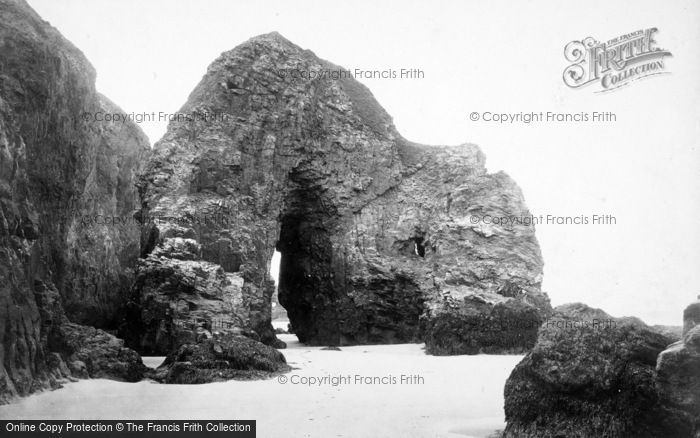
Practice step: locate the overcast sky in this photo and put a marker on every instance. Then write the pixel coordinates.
(504, 57)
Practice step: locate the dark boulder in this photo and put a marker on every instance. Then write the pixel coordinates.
(98, 354)
(591, 375)
(224, 357)
(473, 327)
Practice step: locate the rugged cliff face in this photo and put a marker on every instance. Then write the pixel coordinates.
(61, 174)
(382, 240)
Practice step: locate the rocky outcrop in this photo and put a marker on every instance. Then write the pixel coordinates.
(382, 240)
(183, 299)
(79, 351)
(224, 357)
(591, 375)
(61, 174)
(94, 353)
(678, 369)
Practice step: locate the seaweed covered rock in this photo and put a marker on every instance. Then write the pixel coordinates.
(591, 375)
(223, 357)
(475, 326)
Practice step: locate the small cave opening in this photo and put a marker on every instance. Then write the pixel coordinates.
(418, 246)
(233, 84)
(412, 246)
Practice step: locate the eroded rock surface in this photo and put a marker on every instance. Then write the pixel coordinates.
(61, 173)
(102, 354)
(382, 240)
(591, 375)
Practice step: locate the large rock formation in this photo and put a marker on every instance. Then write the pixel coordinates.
(592, 375)
(382, 240)
(61, 175)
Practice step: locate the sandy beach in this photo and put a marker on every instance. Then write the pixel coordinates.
(457, 396)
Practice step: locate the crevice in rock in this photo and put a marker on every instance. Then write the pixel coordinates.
(418, 246)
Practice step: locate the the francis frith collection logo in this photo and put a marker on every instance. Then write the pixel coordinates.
(614, 63)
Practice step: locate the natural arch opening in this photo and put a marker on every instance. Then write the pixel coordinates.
(278, 314)
(330, 302)
(306, 280)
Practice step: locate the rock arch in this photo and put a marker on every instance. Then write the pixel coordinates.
(377, 234)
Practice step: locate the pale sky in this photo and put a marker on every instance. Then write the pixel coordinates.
(497, 56)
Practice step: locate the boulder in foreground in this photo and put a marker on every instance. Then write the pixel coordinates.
(223, 357)
(591, 375)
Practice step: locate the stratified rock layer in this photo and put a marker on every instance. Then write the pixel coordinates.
(61, 174)
(382, 240)
(591, 375)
